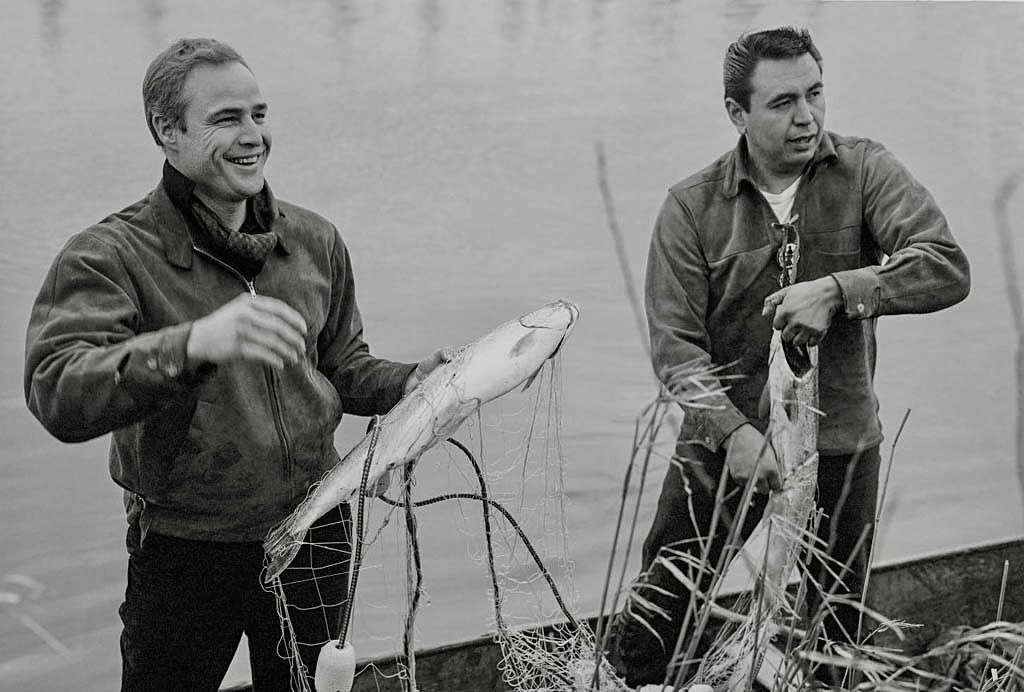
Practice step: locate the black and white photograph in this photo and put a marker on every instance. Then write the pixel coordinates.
(512, 345)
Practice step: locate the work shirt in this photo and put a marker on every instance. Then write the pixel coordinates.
(713, 261)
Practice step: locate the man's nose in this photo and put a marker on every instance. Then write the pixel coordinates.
(251, 133)
(802, 113)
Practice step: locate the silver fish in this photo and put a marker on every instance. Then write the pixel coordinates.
(485, 369)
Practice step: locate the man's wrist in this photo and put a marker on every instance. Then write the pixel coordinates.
(833, 293)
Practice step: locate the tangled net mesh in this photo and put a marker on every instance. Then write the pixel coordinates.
(503, 487)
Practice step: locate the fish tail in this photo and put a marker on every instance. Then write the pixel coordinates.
(281, 546)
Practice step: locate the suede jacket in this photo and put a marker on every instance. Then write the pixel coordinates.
(713, 260)
(203, 451)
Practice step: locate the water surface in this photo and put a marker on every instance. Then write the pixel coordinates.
(453, 144)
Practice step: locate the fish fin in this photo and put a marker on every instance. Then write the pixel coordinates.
(764, 403)
(530, 379)
(524, 342)
(558, 347)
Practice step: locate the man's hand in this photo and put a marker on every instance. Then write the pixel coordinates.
(750, 457)
(258, 329)
(804, 310)
(427, 366)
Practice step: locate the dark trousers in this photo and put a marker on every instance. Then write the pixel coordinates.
(847, 493)
(188, 603)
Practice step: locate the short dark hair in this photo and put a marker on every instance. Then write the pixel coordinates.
(165, 78)
(742, 57)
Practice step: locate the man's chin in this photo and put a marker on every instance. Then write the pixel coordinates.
(249, 187)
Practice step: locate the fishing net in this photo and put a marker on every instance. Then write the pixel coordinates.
(501, 485)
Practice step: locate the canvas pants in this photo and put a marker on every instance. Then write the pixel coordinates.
(188, 602)
(684, 512)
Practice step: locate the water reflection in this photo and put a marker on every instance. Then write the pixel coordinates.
(153, 14)
(513, 20)
(741, 15)
(50, 12)
(345, 14)
(431, 19)
(453, 144)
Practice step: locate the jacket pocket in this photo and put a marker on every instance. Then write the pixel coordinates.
(312, 411)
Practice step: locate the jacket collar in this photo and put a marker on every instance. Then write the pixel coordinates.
(737, 167)
(170, 202)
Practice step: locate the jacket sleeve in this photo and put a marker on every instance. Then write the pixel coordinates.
(89, 367)
(366, 385)
(926, 269)
(676, 297)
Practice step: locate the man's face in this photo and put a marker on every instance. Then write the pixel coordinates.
(224, 142)
(786, 119)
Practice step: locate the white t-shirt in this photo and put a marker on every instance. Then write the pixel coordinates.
(782, 203)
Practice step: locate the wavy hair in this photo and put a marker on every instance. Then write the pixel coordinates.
(742, 56)
(164, 84)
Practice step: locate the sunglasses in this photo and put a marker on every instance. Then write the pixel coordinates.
(788, 255)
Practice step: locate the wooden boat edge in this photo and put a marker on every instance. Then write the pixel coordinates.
(937, 591)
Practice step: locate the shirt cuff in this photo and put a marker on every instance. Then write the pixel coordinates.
(158, 363)
(710, 427)
(861, 291)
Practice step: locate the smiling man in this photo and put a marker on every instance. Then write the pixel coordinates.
(213, 330)
(788, 230)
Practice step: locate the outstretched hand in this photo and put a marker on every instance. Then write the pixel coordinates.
(803, 311)
(258, 329)
(749, 457)
(428, 365)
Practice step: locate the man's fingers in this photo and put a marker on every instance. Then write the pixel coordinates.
(789, 331)
(261, 353)
(769, 471)
(772, 302)
(275, 325)
(283, 329)
(281, 310)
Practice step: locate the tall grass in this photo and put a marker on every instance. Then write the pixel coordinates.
(792, 650)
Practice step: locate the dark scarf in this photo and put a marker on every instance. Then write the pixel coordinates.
(245, 248)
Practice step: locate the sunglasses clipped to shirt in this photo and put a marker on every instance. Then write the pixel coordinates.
(788, 255)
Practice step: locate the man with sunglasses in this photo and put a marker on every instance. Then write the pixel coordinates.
(786, 231)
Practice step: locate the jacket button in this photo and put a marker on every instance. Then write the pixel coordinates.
(171, 370)
(860, 307)
(151, 363)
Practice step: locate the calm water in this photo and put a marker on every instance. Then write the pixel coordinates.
(453, 143)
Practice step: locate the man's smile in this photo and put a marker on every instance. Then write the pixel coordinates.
(250, 160)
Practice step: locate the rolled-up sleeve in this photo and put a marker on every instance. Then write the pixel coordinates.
(926, 270)
(676, 299)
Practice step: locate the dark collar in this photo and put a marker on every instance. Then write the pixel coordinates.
(262, 209)
(738, 167)
(176, 223)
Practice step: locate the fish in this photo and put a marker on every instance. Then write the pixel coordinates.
(791, 400)
(501, 360)
(793, 432)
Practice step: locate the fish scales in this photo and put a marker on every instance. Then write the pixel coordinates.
(481, 371)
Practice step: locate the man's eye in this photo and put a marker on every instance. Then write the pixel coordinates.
(225, 120)
(259, 117)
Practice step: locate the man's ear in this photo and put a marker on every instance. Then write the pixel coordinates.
(737, 115)
(167, 132)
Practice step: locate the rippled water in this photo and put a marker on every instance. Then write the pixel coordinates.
(453, 143)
